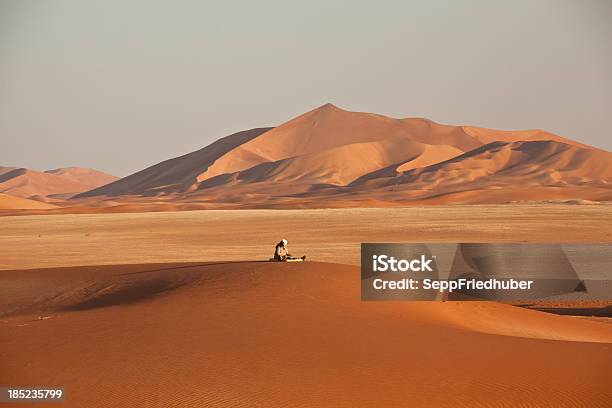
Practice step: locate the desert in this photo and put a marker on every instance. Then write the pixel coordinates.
(256, 334)
(370, 160)
(171, 309)
(155, 289)
(321, 204)
(57, 184)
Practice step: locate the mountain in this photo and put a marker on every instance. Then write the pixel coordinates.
(333, 157)
(26, 183)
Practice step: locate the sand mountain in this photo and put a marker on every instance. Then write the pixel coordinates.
(175, 174)
(86, 176)
(26, 183)
(8, 202)
(330, 156)
(500, 172)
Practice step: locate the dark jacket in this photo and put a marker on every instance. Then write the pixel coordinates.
(280, 252)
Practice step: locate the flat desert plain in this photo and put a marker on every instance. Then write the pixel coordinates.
(182, 309)
(326, 235)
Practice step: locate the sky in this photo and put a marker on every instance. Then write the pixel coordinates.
(120, 85)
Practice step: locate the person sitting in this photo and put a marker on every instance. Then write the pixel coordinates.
(281, 253)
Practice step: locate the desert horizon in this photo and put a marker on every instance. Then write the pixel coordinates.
(288, 204)
(332, 158)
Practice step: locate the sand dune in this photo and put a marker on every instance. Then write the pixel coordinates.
(8, 202)
(22, 182)
(499, 172)
(486, 136)
(4, 170)
(340, 165)
(506, 170)
(161, 332)
(326, 136)
(329, 127)
(261, 334)
(330, 157)
(89, 177)
(178, 174)
(533, 161)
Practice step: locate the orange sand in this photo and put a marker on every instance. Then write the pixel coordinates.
(325, 235)
(264, 334)
(330, 157)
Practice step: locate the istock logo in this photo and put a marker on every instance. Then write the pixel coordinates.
(384, 263)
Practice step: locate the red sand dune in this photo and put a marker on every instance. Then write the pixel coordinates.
(486, 136)
(175, 174)
(329, 127)
(266, 334)
(8, 202)
(330, 157)
(89, 177)
(501, 172)
(339, 165)
(22, 182)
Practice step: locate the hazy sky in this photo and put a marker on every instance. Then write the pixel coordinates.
(120, 85)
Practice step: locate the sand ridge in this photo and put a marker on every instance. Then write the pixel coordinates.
(265, 334)
(64, 182)
(330, 157)
(8, 202)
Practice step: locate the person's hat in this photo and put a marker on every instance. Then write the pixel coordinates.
(284, 241)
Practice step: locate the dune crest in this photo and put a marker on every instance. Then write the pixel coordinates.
(25, 183)
(277, 334)
(331, 157)
(88, 177)
(8, 202)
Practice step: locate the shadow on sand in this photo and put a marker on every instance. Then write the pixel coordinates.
(170, 268)
(604, 311)
(133, 287)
